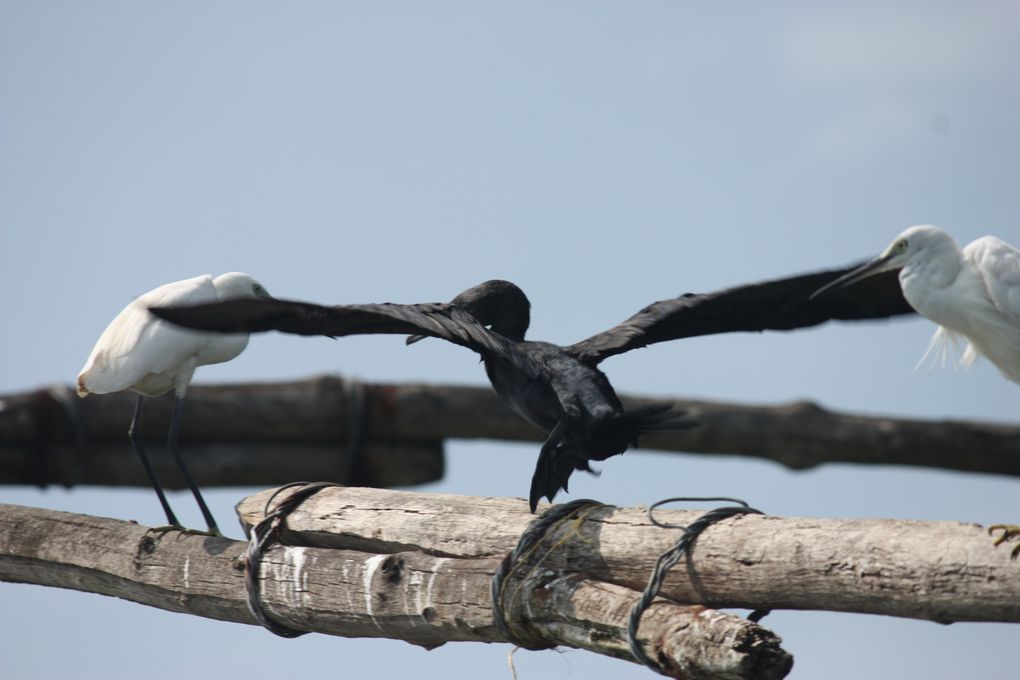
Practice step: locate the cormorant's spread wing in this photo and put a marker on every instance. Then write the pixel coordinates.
(779, 305)
(439, 320)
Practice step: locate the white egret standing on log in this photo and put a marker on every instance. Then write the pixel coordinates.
(971, 293)
(146, 355)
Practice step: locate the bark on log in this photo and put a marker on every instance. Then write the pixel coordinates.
(250, 435)
(413, 420)
(939, 571)
(422, 598)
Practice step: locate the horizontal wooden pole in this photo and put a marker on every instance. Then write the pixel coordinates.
(422, 598)
(51, 436)
(250, 435)
(382, 464)
(939, 571)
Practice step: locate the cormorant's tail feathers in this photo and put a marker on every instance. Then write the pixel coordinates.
(556, 463)
(658, 417)
(552, 473)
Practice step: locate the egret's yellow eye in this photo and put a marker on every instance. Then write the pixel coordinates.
(901, 245)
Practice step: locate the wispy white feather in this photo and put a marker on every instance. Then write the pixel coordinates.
(945, 348)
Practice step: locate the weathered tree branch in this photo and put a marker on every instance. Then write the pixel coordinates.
(417, 567)
(939, 571)
(234, 435)
(272, 433)
(412, 595)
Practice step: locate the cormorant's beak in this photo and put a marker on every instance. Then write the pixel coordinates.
(876, 266)
(411, 339)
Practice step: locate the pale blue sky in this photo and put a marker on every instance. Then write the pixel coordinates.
(602, 155)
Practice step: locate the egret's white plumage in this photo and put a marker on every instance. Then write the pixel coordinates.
(141, 353)
(973, 293)
(146, 355)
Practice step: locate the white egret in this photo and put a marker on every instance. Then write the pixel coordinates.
(146, 355)
(972, 293)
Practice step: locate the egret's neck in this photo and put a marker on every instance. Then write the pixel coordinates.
(927, 279)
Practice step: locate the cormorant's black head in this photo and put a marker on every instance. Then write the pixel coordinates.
(498, 304)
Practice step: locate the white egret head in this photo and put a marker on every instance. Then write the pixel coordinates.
(914, 246)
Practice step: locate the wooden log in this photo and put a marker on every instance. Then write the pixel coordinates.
(414, 596)
(382, 464)
(939, 571)
(257, 435)
(798, 435)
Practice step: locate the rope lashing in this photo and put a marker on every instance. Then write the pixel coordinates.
(530, 541)
(261, 534)
(671, 557)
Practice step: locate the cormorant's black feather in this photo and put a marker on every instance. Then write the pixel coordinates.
(560, 389)
(775, 305)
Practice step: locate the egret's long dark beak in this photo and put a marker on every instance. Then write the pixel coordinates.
(876, 266)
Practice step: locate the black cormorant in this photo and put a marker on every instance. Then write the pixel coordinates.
(560, 389)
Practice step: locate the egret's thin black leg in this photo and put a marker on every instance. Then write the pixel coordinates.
(173, 444)
(136, 444)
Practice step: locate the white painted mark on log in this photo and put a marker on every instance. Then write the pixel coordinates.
(432, 580)
(371, 564)
(296, 557)
(280, 583)
(415, 583)
(345, 572)
(407, 585)
(187, 572)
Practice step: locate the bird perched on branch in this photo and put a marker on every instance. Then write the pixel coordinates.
(560, 389)
(972, 293)
(141, 353)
